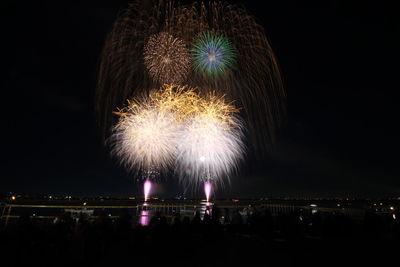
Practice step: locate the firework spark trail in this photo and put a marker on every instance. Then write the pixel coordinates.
(254, 81)
(147, 189)
(207, 190)
(166, 58)
(183, 101)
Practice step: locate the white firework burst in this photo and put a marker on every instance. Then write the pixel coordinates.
(202, 136)
(145, 139)
(209, 150)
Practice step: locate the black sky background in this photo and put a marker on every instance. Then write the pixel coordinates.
(340, 64)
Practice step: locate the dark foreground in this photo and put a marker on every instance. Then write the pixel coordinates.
(295, 239)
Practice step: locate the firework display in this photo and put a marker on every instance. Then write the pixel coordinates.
(200, 136)
(166, 58)
(251, 75)
(200, 57)
(212, 54)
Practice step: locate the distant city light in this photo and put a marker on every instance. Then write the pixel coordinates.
(13, 198)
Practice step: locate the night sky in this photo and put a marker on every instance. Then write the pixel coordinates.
(340, 64)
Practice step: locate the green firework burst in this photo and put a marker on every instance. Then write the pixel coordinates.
(212, 54)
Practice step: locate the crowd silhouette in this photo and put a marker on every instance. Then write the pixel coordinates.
(218, 237)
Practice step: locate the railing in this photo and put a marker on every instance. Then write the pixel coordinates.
(166, 208)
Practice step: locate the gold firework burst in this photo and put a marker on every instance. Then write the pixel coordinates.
(166, 58)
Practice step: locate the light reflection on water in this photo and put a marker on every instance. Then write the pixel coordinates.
(146, 211)
(144, 217)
